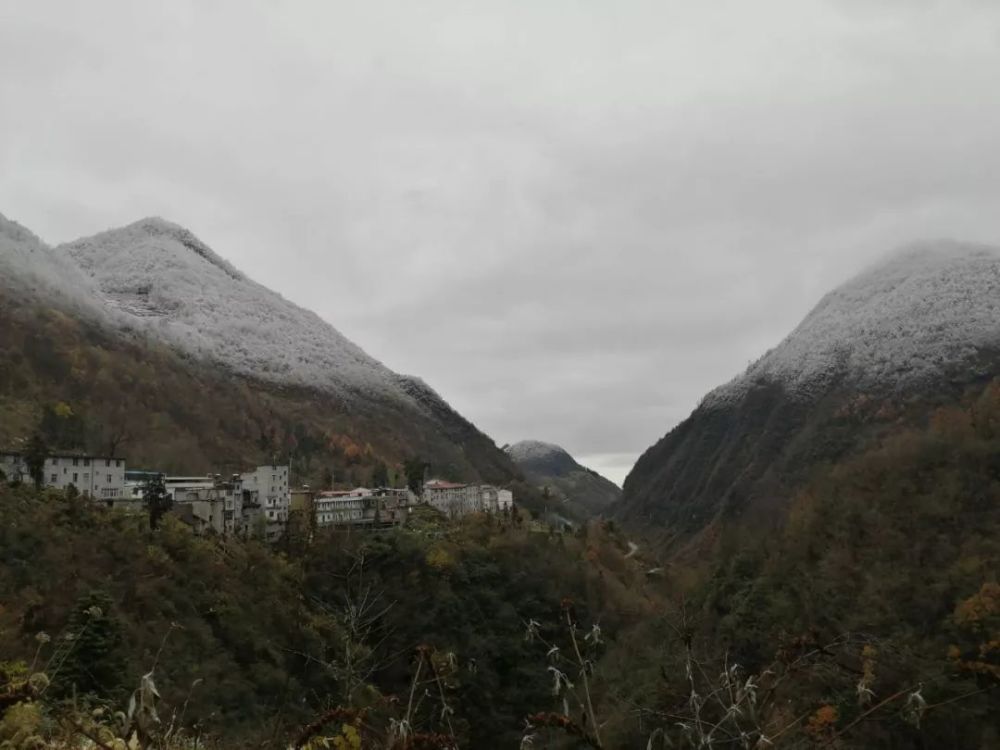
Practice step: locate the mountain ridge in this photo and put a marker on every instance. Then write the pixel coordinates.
(161, 279)
(908, 332)
(240, 373)
(547, 465)
(886, 323)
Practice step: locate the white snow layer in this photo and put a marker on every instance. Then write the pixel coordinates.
(29, 266)
(157, 278)
(530, 450)
(171, 285)
(897, 324)
(900, 322)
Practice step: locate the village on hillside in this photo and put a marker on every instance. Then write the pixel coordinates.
(256, 503)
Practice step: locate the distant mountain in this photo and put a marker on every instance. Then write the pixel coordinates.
(163, 349)
(909, 332)
(584, 491)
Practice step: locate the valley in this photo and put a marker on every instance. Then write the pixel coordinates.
(808, 560)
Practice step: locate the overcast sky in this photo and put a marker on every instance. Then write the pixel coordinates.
(571, 218)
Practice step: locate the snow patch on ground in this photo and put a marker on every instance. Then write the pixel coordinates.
(899, 323)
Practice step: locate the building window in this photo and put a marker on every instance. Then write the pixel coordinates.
(76, 461)
(86, 462)
(55, 461)
(75, 479)
(55, 478)
(109, 479)
(118, 462)
(107, 462)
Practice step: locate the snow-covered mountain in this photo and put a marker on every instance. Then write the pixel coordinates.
(585, 491)
(542, 456)
(158, 278)
(904, 321)
(206, 365)
(909, 332)
(29, 268)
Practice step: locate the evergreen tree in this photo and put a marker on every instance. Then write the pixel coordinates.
(158, 501)
(93, 661)
(414, 469)
(34, 456)
(62, 427)
(298, 532)
(380, 475)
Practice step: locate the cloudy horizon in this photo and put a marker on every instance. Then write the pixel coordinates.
(572, 219)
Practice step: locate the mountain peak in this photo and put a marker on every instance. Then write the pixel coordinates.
(154, 234)
(526, 450)
(548, 465)
(905, 320)
(535, 456)
(919, 326)
(17, 232)
(157, 276)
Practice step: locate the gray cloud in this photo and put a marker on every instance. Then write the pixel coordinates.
(572, 218)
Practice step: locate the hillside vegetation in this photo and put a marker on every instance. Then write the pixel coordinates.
(143, 342)
(255, 644)
(868, 618)
(569, 487)
(905, 335)
(810, 560)
(90, 388)
(882, 574)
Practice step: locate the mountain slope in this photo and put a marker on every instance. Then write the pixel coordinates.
(31, 270)
(167, 353)
(585, 492)
(159, 278)
(909, 332)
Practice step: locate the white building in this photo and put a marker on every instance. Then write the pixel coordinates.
(178, 486)
(219, 508)
(97, 477)
(341, 507)
(452, 498)
(455, 500)
(362, 507)
(392, 506)
(241, 505)
(270, 483)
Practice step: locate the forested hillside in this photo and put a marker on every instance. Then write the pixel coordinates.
(810, 560)
(256, 643)
(570, 488)
(86, 388)
(190, 381)
(906, 335)
(884, 569)
(870, 618)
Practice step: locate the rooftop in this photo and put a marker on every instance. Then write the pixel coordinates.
(67, 454)
(440, 484)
